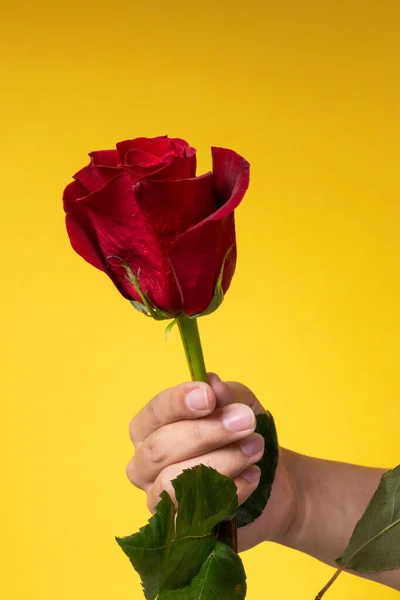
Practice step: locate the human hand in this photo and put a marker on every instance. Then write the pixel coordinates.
(214, 425)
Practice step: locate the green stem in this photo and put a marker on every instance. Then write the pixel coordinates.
(194, 355)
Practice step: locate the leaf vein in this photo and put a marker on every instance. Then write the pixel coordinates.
(165, 546)
(390, 526)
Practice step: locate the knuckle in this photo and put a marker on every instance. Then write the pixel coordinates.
(215, 459)
(198, 432)
(133, 475)
(153, 449)
(152, 413)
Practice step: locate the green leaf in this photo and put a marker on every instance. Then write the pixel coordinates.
(375, 543)
(221, 577)
(205, 498)
(250, 510)
(147, 549)
(169, 555)
(218, 293)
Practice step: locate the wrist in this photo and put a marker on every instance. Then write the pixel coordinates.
(284, 514)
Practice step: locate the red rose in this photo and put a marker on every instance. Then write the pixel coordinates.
(142, 206)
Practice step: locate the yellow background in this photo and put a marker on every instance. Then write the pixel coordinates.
(308, 92)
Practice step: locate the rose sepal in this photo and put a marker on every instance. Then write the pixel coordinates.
(147, 308)
(219, 295)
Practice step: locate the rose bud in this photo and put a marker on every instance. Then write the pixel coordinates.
(165, 237)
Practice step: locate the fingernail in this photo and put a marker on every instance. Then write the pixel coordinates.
(252, 445)
(239, 419)
(197, 400)
(251, 474)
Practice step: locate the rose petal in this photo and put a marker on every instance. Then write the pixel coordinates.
(73, 192)
(189, 151)
(123, 231)
(197, 255)
(172, 207)
(104, 158)
(142, 159)
(94, 177)
(140, 169)
(180, 168)
(232, 176)
(182, 147)
(158, 146)
(84, 240)
(146, 156)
